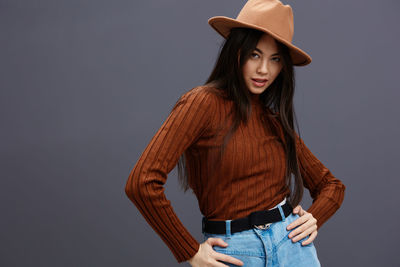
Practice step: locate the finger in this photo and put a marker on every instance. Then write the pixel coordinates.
(310, 239)
(302, 211)
(219, 264)
(304, 233)
(296, 209)
(227, 258)
(308, 225)
(214, 241)
(297, 222)
(303, 224)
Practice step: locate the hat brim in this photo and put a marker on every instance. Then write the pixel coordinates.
(223, 25)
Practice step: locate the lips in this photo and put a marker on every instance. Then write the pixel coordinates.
(259, 80)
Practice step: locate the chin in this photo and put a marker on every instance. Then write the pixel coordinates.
(257, 90)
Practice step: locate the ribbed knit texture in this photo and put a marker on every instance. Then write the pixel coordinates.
(249, 177)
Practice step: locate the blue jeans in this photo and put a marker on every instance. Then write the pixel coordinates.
(267, 247)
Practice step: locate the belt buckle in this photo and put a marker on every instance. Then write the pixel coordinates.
(263, 226)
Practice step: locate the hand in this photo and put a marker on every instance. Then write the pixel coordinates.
(308, 226)
(207, 256)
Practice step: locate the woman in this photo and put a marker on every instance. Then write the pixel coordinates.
(235, 145)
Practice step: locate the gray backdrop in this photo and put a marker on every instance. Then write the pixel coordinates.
(86, 84)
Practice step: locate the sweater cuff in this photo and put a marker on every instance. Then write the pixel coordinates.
(191, 251)
(322, 209)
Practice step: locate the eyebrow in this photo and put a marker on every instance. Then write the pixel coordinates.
(276, 54)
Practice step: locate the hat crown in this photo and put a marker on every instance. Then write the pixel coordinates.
(269, 14)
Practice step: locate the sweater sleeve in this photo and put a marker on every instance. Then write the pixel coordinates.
(145, 186)
(326, 190)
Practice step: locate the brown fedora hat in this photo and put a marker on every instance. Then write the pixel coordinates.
(269, 16)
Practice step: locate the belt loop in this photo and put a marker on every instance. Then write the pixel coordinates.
(228, 228)
(282, 213)
(203, 224)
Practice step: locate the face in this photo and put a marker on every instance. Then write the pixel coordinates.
(263, 65)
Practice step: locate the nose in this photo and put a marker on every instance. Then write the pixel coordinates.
(263, 67)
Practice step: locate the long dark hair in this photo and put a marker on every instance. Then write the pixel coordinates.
(227, 78)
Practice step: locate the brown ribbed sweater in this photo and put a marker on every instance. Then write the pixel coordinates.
(249, 177)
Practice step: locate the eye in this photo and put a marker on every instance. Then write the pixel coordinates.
(254, 55)
(277, 59)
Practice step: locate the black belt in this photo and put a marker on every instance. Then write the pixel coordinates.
(246, 223)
